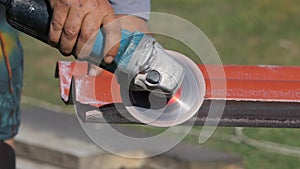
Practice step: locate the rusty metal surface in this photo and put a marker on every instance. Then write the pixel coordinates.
(256, 96)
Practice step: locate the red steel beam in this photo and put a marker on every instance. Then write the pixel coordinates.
(256, 96)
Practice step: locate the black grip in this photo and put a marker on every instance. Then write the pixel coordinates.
(30, 16)
(3, 2)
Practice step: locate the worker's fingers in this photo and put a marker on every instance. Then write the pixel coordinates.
(112, 36)
(57, 23)
(83, 50)
(71, 30)
(75, 21)
(86, 39)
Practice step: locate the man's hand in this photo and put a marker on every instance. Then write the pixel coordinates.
(128, 22)
(74, 22)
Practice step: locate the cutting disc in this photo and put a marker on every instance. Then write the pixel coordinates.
(165, 112)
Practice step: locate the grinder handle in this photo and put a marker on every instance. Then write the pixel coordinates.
(32, 17)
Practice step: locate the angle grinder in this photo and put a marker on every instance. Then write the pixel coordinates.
(157, 87)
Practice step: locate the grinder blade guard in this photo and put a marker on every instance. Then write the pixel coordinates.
(157, 110)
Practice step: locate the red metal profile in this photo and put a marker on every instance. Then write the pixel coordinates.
(258, 96)
(257, 83)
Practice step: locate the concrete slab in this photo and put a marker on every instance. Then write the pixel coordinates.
(23, 163)
(57, 139)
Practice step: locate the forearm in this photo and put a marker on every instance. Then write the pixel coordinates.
(134, 14)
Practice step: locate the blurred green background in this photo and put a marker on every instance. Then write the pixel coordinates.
(243, 32)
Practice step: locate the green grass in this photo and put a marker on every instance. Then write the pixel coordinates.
(276, 135)
(256, 158)
(252, 32)
(243, 32)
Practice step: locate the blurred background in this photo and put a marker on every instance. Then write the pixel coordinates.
(243, 32)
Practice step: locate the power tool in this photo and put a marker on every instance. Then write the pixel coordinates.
(142, 67)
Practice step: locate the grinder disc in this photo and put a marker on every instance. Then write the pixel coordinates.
(165, 112)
